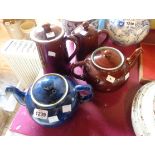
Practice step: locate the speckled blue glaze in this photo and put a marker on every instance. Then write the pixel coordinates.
(73, 98)
(49, 89)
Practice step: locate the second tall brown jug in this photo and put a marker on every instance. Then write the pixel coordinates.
(88, 39)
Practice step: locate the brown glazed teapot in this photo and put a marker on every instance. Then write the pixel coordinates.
(88, 39)
(106, 68)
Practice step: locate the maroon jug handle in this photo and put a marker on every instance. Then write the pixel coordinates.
(134, 56)
(103, 31)
(77, 64)
(75, 40)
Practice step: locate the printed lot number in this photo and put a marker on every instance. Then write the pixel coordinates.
(42, 114)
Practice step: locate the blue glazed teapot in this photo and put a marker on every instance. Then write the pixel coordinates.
(52, 99)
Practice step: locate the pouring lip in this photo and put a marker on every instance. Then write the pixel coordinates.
(51, 104)
(104, 48)
(32, 36)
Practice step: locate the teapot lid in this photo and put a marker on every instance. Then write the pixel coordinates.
(47, 33)
(107, 58)
(49, 90)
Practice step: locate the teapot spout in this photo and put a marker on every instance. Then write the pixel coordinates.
(134, 57)
(18, 94)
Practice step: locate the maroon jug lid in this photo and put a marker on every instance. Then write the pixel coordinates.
(107, 58)
(47, 32)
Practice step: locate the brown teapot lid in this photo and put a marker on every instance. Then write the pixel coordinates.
(46, 32)
(107, 58)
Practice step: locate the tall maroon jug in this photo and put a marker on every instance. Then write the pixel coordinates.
(50, 40)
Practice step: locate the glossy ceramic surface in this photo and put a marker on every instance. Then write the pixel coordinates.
(143, 111)
(88, 39)
(106, 68)
(46, 92)
(51, 44)
(52, 99)
(127, 31)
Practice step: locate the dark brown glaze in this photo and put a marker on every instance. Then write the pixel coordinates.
(106, 76)
(88, 39)
(107, 59)
(51, 44)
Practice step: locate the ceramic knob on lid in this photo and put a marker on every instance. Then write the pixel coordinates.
(107, 58)
(49, 90)
(127, 31)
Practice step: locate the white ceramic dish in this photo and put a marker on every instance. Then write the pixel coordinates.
(143, 111)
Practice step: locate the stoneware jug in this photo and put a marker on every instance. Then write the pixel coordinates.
(52, 99)
(51, 43)
(88, 39)
(106, 68)
(127, 31)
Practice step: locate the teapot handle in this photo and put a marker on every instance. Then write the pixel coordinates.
(78, 64)
(75, 40)
(84, 88)
(132, 59)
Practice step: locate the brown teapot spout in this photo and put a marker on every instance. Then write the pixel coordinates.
(134, 57)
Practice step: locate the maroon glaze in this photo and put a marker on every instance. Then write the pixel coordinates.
(106, 68)
(51, 44)
(88, 39)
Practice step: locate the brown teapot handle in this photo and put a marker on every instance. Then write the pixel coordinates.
(78, 64)
(132, 59)
(75, 40)
(103, 31)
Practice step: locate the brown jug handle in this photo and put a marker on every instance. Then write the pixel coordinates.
(78, 64)
(134, 56)
(75, 40)
(105, 32)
